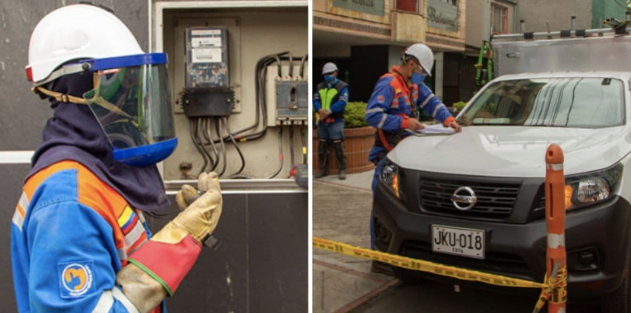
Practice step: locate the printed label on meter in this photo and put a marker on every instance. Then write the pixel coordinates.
(206, 55)
(202, 42)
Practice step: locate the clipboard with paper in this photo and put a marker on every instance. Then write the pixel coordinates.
(432, 130)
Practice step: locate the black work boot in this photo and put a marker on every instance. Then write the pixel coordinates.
(340, 158)
(323, 158)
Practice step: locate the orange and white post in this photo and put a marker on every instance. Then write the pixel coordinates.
(555, 220)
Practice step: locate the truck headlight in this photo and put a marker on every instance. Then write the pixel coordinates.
(586, 189)
(390, 177)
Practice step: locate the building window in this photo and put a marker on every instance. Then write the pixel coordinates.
(499, 19)
(407, 5)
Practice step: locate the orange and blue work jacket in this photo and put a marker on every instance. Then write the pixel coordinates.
(393, 103)
(71, 234)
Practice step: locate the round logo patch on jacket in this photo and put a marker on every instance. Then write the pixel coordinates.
(380, 99)
(75, 279)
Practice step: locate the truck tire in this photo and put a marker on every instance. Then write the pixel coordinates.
(618, 301)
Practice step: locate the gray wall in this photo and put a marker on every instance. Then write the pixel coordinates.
(264, 237)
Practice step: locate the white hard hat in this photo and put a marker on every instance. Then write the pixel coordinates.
(75, 32)
(423, 54)
(329, 68)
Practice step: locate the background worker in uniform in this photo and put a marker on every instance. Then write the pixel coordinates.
(329, 101)
(79, 241)
(392, 108)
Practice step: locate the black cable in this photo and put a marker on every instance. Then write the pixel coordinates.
(303, 139)
(203, 127)
(223, 147)
(198, 129)
(291, 65)
(280, 70)
(302, 65)
(192, 128)
(261, 66)
(226, 126)
(261, 100)
(291, 147)
(280, 153)
(208, 137)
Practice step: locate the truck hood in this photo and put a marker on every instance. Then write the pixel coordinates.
(512, 151)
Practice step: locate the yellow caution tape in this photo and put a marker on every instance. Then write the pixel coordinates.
(304, 150)
(552, 289)
(424, 266)
(555, 290)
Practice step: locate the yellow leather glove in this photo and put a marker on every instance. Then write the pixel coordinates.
(200, 218)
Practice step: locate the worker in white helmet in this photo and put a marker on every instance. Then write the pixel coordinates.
(79, 241)
(393, 106)
(329, 101)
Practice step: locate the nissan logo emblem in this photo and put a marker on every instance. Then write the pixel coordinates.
(466, 196)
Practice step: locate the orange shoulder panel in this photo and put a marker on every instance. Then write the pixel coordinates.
(92, 192)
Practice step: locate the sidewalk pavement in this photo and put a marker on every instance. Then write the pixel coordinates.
(341, 212)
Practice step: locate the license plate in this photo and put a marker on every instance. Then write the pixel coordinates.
(459, 241)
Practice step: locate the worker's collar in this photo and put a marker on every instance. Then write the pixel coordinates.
(399, 75)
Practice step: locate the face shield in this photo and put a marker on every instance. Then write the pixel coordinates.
(132, 102)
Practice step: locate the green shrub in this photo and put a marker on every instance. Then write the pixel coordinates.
(354, 115)
(459, 105)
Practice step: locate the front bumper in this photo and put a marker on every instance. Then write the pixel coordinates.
(516, 250)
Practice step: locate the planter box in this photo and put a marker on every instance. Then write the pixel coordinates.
(357, 145)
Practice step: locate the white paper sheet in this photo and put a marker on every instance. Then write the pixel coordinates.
(436, 129)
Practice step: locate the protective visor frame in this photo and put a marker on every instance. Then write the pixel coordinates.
(141, 155)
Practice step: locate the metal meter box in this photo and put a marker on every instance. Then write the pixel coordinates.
(207, 91)
(292, 100)
(207, 57)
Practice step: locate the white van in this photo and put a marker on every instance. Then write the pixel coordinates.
(476, 200)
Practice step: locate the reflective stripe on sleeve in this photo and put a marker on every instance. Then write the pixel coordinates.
(24, 202)
(436, 110)
(134, 234)
(122, 254)
(118, 295)
(427, 100)
(373, 110)
(105, 302)
(383, 120)
(20, 211)
(18, 220)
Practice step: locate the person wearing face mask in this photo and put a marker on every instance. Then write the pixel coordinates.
(329, 101)
(79, 240)
(392, 109)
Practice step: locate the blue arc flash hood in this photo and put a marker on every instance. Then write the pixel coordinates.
(73, 133)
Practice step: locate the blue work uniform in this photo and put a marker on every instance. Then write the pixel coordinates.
(70, 234)
(391, 105)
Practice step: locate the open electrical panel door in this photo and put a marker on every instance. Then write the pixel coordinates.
(240, 92)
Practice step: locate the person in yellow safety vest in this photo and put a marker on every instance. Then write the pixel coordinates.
(329, 101)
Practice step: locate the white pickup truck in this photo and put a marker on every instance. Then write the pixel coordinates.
(476, 200)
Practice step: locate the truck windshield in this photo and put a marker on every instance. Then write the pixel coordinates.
(558, 102)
